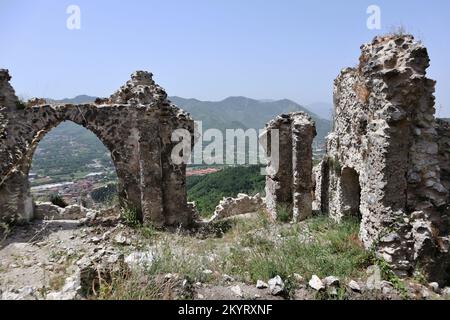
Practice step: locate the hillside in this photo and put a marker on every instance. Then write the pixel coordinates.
(207, 191)
(69, 151)
(77, 100)
(242, 112)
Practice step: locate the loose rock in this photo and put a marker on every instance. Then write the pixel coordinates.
(261, 285)
(237, 291)
(276, 286)
(331, 282)
(354, 286)
(316, 283)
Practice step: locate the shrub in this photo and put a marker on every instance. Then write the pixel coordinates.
(284, 213)
(5, 230)
(21, 105)
(105, 193)
(130, 216)
(389, 275)
(58, 200)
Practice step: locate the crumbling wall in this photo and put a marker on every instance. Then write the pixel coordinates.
(321, 183)
(135, 124)
(289, 179)
(443, 134)
(385, 146)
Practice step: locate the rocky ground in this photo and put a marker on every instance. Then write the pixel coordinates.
(103, 258)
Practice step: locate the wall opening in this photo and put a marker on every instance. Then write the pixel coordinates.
(71, 163)
(351, 192)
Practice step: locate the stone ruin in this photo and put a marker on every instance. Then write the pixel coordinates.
(388, 157)
(387, 161)
(135, 124)
(289, 183)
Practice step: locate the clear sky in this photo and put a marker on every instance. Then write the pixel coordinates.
(208, 49)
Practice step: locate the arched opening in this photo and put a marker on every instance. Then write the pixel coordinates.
(72, 166)
(351, 192)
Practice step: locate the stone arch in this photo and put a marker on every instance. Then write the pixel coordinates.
(351, 192)
(135, 124)
(45, 118)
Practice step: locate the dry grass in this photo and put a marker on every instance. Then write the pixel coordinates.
(57, 282)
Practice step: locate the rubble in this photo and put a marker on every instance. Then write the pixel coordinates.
(316, 283)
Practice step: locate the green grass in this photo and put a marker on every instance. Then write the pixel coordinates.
(252, 249)
(284, 213)
(147, 231)
(334, 251)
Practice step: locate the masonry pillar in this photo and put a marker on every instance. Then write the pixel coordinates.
(289, 179)
(303, 133)
(151, 177)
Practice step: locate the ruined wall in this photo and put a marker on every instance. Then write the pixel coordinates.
(135, 124)
(443, 134)
(443, 140)
(382, 157)
(229, 207)
(289, 180)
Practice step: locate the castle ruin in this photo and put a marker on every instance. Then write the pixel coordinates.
(387, 161)
(388, 157)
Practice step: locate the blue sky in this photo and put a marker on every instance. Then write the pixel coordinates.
(208, 49)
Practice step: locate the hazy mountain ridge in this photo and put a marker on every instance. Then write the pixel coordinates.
(242, 112)
(235, 112)
(76, 100)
